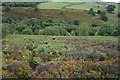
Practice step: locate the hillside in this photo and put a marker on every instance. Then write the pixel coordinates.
(80, 12)
(60, 40)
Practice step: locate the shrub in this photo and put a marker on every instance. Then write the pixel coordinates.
(36, 8)
(41, 32)
(55, 30)
(107, 29)
(94, 25)
(63, 31)
(103, 16)
(50, 20)
(83, 30)
(91, 11)
(27, 31)
(98, 12)
(7, 8)
(4, 31)
(76, 22)
(50, 31)
(70, 28)
(93, 31)
(110, 8)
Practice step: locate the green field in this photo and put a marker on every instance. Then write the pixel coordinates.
(52, 5)
(88, 5)
(76, 5)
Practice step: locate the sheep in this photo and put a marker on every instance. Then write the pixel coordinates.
(45, 42)
(54, 38)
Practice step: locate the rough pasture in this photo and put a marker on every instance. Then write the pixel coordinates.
(31, 13)
(68, 15)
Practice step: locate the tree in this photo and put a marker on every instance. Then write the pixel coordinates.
(76, 22)
(110, 8)
(50, 20)
(103, 16)
(98, 12)
(35, 8)
(83, 30)
(94, 25)
(27, 31)
(92, 12)
(118, 15)
(93, 31)
(7, 8)
(107, 30)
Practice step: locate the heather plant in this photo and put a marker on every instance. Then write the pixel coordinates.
(15, 69)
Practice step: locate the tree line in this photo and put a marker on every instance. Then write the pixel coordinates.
(36, 26)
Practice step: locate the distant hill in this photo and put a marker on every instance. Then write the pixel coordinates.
(51, 0)
(77, 0)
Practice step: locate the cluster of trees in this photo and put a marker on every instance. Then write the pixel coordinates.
(110, 8)
(102, 14)
(36, 26)
(107, 29)
(91, 11)
(20, 4)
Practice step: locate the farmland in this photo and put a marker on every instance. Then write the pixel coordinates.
(81, 57)
(60, 40)
(52, 5)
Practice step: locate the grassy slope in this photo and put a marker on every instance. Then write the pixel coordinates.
(88, 5)
(82, 16)
(82, 6)
(52, 5)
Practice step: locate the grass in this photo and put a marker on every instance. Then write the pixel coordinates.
(88, 5)
(52, 5)
(82, 16)
(46, 37)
